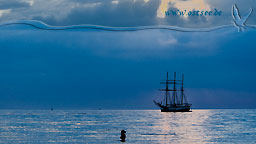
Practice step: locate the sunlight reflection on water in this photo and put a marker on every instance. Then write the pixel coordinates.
(143, 126)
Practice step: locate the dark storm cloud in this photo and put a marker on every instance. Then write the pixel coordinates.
(138, 13)
(119, 13)
(12, 4)
(124, 13)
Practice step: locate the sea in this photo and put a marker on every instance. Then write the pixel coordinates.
(142, 126)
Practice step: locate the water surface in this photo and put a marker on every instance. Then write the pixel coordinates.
(142, 126)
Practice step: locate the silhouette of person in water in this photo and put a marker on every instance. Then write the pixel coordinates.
(123, 136)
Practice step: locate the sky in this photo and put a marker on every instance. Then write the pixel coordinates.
(121, 12)
(91, 69)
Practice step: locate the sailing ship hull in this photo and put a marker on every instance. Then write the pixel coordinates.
(175, 109)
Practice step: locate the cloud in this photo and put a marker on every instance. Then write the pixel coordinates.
(168, 41)
(14, 4)
(122, 13)
(6, 11)
(187, 5)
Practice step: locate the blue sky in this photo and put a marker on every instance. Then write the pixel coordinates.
(121, 70)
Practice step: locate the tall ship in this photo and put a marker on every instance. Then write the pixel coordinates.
(176, 102)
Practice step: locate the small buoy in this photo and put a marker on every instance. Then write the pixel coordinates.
(123, 136)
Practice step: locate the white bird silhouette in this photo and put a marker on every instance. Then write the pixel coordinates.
(237, 20)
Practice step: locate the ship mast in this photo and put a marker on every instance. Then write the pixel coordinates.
(174, 88)
(175, 99)
(182, 89)
(166, 92)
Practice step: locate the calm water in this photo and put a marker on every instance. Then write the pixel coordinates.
(142, 126)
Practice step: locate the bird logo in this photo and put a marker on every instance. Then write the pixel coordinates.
(239, 21)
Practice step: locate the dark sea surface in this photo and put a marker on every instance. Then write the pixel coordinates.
(142, 126)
